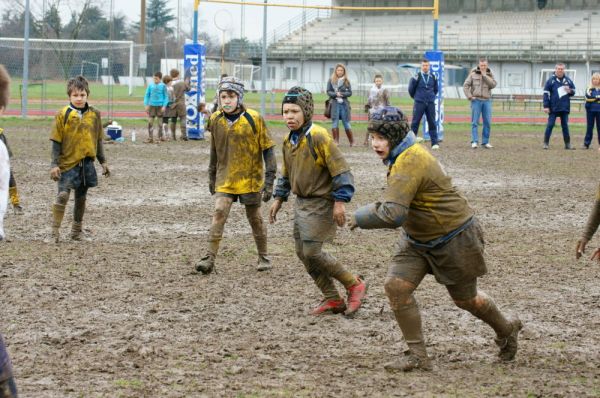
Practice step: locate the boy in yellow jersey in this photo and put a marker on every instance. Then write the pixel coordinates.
(240, 143)
(444, 238)
(315, 170)
(76, 142)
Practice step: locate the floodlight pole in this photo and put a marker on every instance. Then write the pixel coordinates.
(25, 62)
(263, 64)
(436, 17)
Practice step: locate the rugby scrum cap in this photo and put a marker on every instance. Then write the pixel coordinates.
(391, 123)
(232, 84)
(301, 97)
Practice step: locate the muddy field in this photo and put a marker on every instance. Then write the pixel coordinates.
(124, 314)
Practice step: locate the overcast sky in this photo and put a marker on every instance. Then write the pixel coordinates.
(228, 16)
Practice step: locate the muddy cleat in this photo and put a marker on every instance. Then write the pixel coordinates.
(408, 363)
(336, 306)
(264, 263)
(206, 264)
(509, 344)
(76, 229)
(356, 294)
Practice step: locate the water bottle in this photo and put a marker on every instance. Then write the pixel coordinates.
(133, 135)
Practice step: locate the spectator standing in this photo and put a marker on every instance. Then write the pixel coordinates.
(379, 97)
(478, 89)
(423, 88)
(155, 103)
(592, 110)
(557, 103)
(180, 87)
(339, 90)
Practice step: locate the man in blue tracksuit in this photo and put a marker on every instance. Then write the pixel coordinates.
(557, 103)
(423, 88)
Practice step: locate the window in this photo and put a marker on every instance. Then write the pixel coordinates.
(271, 73)
(291, 73)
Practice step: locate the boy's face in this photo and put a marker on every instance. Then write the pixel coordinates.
(425, 67)
(293, 116)
(378, 82)
(380, 145)
(229, 101)
(156, 79)
(78, 98)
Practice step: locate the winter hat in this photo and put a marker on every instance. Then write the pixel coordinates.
(232, 84)
(301, 97)
(391, 123)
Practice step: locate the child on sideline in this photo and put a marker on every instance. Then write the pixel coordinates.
(8, 389)
(379, 97)
(76, 142)
(444, 238)
(155, 103)
(239, 143)
(180, 87)
(170, 114)
(315, 170)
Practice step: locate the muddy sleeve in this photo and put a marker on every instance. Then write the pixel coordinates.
(593, 222)
(57, 129)
(55, 153)
(270, 166)
(403, 185)
(212, 164)
(381, 215)
(100, 150)
(283, 188)
(343, 187)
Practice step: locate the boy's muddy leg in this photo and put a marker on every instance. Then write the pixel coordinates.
(259, 232)
(58, 213)
(322, 280)
(408, 317)
(222, 208)
(78, 212)
(150, 128)
(182, 127)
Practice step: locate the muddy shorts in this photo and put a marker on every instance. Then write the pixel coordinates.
(247, 199)
(313, 220)
(155, 111)
(83, 175)
(458, 262)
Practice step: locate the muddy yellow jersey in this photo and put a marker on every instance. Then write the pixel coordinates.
(78, 133)
(435, 207)
(310, 177)
(239, 152)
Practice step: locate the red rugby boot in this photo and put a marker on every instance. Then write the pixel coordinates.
(356, 294)
(335, 306)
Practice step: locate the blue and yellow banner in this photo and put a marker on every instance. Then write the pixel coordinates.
(194, 61)
(436, 64)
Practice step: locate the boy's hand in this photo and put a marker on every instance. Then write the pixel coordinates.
(580, 248)
(339, 213)
(275, 207)
(105, 170)
(267, 192)
(55, 173)
(596, 255)
(352, 223)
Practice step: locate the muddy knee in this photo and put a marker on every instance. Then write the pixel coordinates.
(478, 304)
(399, 292)
(62, 198)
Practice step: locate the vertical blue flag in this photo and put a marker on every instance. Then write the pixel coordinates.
(194, 62)
(436, 62)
